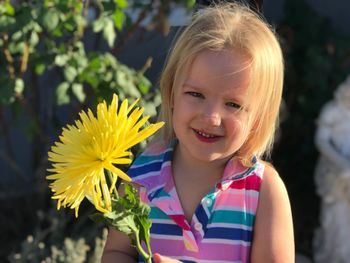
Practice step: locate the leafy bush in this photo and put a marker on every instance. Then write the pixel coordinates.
(58, 57)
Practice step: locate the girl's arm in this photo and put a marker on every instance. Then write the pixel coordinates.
(118, 248)
(273, 239)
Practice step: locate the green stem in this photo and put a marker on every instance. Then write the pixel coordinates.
(144, 254)
(110, 177)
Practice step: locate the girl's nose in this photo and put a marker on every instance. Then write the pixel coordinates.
(212, 119)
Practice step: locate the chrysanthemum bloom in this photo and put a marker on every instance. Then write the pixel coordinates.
(91, 146)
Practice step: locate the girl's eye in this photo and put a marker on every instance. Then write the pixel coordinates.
(194, 94)
(233, 105)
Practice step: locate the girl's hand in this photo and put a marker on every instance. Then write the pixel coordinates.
(162, 259)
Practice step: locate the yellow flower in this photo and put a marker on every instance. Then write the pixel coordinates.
(92, 145)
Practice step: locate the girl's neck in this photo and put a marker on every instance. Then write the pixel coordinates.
(197, 169)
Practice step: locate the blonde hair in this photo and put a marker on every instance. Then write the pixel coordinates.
(231, 26)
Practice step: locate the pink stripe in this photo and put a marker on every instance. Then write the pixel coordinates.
(237, 200)
(155, 180)
(176, 248)
(143, 195)
(168, 205)
(190, 242)
(251, 182)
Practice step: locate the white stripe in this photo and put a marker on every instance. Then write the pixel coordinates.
(225, 242)
(228, 225)
(195, 218)
(164, 221)
(143, 176)
(166, 237)
(205, 261)
(206, 209)
(167, 163)
(234, 208)
(251, 193)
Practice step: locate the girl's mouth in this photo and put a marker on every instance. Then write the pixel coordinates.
(206, 137)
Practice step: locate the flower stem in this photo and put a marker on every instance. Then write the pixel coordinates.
(144, 254)
(110, 177)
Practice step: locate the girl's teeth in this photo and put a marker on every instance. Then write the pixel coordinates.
(205, 135)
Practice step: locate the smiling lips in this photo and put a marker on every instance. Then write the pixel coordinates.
(206, 137)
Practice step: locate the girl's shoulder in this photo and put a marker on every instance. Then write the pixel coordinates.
(275, 218)
(271, 178)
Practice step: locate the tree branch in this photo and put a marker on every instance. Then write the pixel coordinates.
(129, 32)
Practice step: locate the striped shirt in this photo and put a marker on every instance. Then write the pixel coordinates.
(221, 229)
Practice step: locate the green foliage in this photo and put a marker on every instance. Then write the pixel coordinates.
(130, 216)
(68, 50)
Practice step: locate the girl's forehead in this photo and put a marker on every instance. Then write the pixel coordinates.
(223, 68)
(229, 61)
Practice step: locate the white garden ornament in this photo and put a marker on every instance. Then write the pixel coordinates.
(332, 178)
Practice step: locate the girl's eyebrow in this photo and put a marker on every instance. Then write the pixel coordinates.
(190, 86)
(194, 87)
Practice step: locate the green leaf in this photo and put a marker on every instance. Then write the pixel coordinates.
(98, 25)
(90, 78)
(17, 35)
(95, 63)
(16, 47)
(109, 33)
(34, 39)
(126, 225)
(112, 215)
(61, 60)
(118, 18)
(121, 3)
(62, 95)
(78, 91)
(190, 3)
(70, 73)
(51, 19)
(144, 229)
(7, 23)
(144, 86)
(19, 86)
(70, 24)
(39, 68)
(150, 108)
(9, 8)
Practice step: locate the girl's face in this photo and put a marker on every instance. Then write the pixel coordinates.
(207, 116)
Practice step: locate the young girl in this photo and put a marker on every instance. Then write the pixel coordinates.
(212, 198)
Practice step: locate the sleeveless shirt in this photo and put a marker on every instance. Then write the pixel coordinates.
(221, 229)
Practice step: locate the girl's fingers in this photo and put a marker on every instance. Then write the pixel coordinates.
(162, 259)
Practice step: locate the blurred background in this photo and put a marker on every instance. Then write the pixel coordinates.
(59, 57)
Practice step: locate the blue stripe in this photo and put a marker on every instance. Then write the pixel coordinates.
(166, 229)
(156, 193)
(202, 217)
(229, 233)
(147, 166)
(152, 167)
(168, 155)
